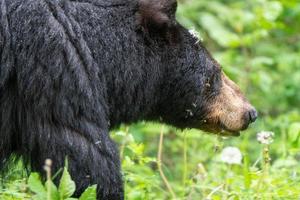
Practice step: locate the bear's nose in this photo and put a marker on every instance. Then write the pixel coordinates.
(252, 115)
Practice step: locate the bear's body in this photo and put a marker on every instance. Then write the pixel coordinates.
(70, 70)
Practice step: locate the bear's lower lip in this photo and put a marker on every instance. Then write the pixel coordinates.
(221, 130)
(227, 132)
(230, 133)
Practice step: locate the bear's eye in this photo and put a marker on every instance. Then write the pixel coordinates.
(214, 80)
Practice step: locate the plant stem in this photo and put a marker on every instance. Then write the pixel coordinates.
(48, 172)
(227, 181)
(124, 143)
(265, 167)
(209, 196)
(266, 160)
(184, 159)
(159, 165)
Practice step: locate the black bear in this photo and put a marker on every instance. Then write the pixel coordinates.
(72, 69)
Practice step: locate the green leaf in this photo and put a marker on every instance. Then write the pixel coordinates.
(54, 195)
(35, 184)
(247, 175)
(90, 193)
(66, 185)
(221, 34)
(294, 132)
(272, 10)
(37, 197)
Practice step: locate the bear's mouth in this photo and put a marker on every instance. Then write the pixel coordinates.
(221, 130)
(230, 133)
(225, 131)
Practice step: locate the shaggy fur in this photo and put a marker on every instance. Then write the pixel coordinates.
(72, 69)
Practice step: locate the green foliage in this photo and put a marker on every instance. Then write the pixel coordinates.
(66, 186)
(64, 192)
(36, 186)
(89, 193)
(66, 189)
(35, 189)
(258, 44)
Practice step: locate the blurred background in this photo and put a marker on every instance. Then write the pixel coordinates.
(257, 43)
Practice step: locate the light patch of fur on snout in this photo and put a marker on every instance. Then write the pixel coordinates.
(229, 108)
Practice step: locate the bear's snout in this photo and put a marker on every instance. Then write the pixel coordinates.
(230, 111)
(251, 116)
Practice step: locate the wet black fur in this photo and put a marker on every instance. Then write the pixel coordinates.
(72, 69)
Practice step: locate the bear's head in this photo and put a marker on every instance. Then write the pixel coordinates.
(195, 92)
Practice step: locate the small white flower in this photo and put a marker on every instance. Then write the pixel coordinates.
(48, 162)
(231, 155)
(265, 137)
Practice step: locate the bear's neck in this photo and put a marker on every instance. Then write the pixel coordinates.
(133, 91)
(134, 83)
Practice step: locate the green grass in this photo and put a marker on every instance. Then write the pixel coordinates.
(192, 166)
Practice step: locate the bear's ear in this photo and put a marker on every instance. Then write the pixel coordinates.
(157, 15)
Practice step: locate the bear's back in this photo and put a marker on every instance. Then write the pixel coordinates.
(85, 49)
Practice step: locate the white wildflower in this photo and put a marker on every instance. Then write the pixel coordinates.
(48, 162)
(231, 155)
(265, 137)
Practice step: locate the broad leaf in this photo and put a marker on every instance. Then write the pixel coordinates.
(35, 184)
(66, 185)
(90, 193)
(54, 195)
